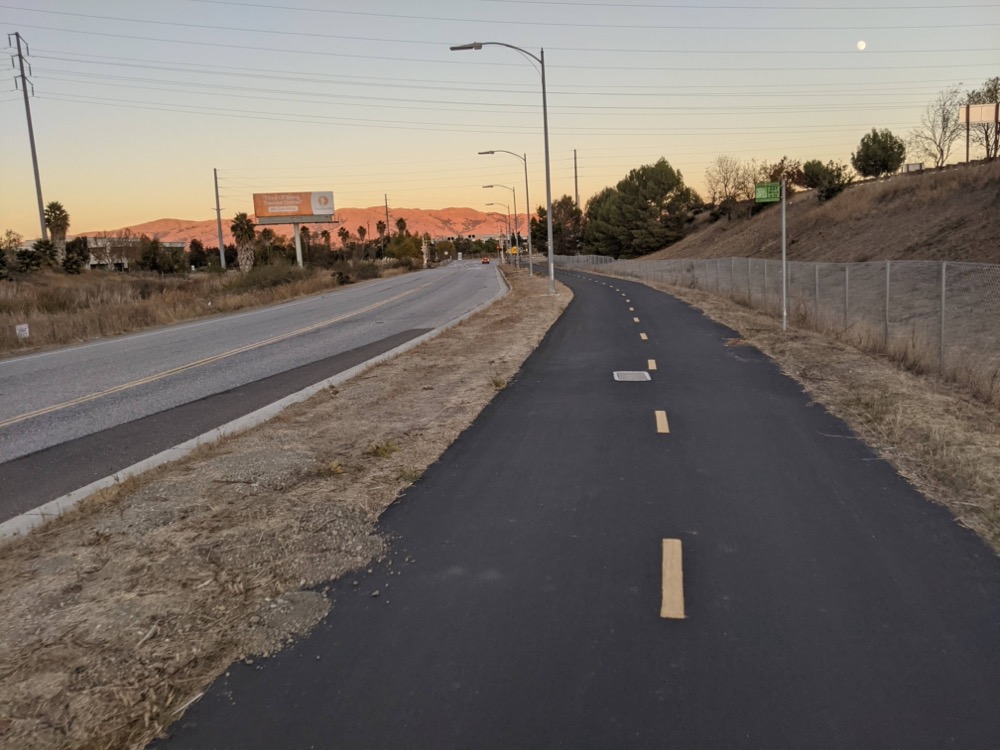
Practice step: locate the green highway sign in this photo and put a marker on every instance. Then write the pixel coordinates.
(768, 192)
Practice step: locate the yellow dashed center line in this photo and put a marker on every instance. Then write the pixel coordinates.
(651, 364)
(662, 425)
(672, 600)
(198, 363)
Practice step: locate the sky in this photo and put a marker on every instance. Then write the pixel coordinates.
(136, 102)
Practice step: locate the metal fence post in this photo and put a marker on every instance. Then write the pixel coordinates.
(847, 294)
(888, 265)
(749, 290)
(944, 277)
(816, 315)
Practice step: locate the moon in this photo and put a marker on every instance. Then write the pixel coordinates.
(861, 46)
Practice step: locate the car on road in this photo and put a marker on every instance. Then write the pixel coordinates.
(485, 260)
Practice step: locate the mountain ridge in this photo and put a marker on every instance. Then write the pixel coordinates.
(439, 223)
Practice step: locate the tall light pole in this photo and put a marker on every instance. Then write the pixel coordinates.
(507, 206)
(540, 59)
(527, 200)
(517, 230)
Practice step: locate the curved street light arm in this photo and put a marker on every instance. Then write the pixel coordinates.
(540, 59)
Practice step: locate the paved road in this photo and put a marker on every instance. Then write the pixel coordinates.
(74, 415)
(825, 603)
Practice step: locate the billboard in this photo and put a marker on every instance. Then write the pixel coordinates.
(288, 208)
(979, 113)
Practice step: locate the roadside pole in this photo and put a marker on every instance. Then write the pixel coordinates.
(784, 260)
(772, 192)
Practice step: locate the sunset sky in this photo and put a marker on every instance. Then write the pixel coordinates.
(135, 101)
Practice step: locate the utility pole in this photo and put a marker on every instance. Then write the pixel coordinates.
(386, 195)
(218, 222)
(31, 130)
(576, 180)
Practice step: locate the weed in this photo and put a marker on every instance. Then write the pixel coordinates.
(382, 449)
(410, 475)
(332, 469)
(498, 381)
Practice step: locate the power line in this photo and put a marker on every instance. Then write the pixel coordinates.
(397, 82)
(571, 24)
(589, 50)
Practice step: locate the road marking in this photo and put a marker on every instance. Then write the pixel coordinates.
(635, 320)
(651, 364)
(198, 363)
(672, 600)
(643, 336)
(627, 299)
(631, 309)
(662, 425)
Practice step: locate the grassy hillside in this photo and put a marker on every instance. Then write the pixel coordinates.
(948, 215)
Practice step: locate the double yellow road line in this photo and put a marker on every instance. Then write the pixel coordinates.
(199, 363)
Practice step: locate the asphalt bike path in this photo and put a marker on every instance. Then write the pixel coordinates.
(702, 560)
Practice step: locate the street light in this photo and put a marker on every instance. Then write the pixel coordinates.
(517, 230)
(507, 206)
(540, 59)
(527, 200)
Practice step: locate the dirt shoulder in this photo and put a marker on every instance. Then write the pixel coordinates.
(941, 439)
(118, 615)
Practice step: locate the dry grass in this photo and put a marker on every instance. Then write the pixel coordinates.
(118, 615)
(62, 309)
(947, 215)
(940, 437)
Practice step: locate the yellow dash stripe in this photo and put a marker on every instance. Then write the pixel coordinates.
(661, 422)
(198, 363)
(672, 602)
(644, 337)
(651, 364)
(635, 320)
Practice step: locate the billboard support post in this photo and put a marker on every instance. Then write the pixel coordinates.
(298, 244)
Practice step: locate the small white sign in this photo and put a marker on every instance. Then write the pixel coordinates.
(21, 330)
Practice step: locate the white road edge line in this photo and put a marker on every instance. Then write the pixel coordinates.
(20, 525)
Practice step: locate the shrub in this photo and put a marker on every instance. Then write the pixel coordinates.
(879, 153)
(828, 179)
(266, 277)
(29, 259)
(367, 270)
(77, 255)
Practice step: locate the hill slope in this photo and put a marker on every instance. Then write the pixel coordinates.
(948, 215)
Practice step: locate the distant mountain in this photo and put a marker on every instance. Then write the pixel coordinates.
(438, 223)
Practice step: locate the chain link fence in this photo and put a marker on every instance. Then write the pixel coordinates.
(933, 316)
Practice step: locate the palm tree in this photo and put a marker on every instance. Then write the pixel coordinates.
(344, 236)
(57, 220)
(361, 234)
(325, 236)
(401, 226)
(243, 234)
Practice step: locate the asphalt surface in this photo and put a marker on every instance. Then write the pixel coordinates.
(73, 415)
(828, 604)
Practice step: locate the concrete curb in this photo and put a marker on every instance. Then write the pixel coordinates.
(17, 527)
